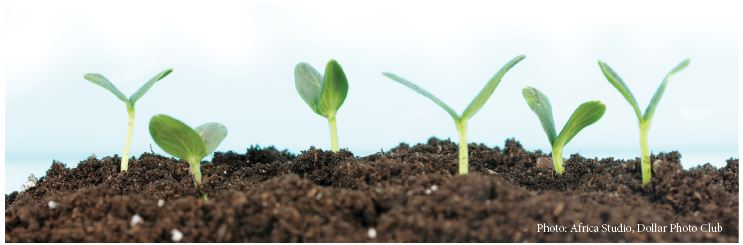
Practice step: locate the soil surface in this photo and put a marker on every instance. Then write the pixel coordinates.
(407, 194)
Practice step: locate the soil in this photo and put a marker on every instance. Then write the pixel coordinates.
(407, 194)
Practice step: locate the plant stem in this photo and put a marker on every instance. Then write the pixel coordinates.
(128, 141)
(333, 134)
(196, 173)
(645, 160)
(463, 151)
(557, 159)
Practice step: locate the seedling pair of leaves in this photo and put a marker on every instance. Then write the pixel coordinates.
(460, 120)
(586, 114)
(181, 141)
(324, 94)
(644, 119)
(102, 81)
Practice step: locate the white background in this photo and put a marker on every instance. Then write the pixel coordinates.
(234, 64)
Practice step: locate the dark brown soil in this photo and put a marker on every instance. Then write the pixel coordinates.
(409, 194)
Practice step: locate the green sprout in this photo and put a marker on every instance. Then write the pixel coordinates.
(324, 94)
(102, 81)
(461, 120)
(643, 119)
(586, 114)
(181, 141)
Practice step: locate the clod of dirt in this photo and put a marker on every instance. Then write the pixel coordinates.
(176, 235)
(136, 219)
(372, 233)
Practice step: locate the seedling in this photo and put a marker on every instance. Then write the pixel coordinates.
(461, 120)
(324, 94)
(645, 119)
(586, 114)
(181, 141)
(102, 81)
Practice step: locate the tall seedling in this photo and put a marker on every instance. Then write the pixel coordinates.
(645, 119)
(102, 81)
(461, 120)
(324, 94)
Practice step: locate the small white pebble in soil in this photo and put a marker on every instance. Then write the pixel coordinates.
(225, 172)
(434, 187)
(160, 203)
(319, 196)
(176, 235)
(53, 204)
(372, 233)
(427, 191)
(30, 182)
(136, 219)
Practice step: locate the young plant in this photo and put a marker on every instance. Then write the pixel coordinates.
(461, 120)
(586, 114)
(181, 141)
(645, 119)
(324, 94)
(100, 80)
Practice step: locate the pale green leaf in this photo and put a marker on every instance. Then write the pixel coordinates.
(425, 93)
(176, 138)
(146, 87)
(212, 134)
(541, 106)
(586, 114)
(308, 82)
(619, 84)
(489, 88)
(333, 90)
(100, 80)
(650, 110)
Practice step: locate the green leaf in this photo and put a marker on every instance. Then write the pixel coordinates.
(100, 80)
(618, 83)
(333, 90)
(212, 134)
(586, 114)
(425, 93)
(486, 91)
(308, 82)
(650, 110)
(176, 138)
(145, 87)
(541, 106)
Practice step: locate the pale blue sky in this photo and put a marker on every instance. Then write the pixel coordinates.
(233, 63)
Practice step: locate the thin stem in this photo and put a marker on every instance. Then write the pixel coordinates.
(557, 159)
(333, 134)
(128, 141)
(463, 150)
(645, 160)
(196, 173)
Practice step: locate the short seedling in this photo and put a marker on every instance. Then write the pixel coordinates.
(181, 141)
(586, 114)
(100, 80)
(643, 119)
(324, 94)
(461, 120)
